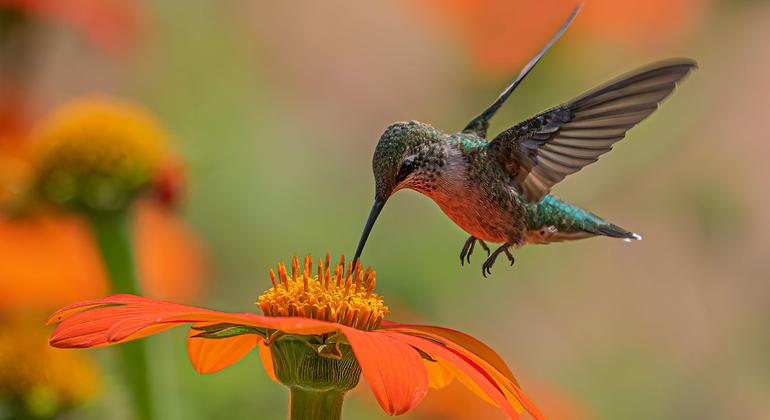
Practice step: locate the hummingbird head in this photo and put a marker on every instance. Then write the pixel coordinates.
(408, 155)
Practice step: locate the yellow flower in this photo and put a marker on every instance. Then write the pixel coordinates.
(97, 154)
(43, 381)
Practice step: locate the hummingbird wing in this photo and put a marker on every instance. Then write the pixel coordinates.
(480, 124)
(541, 151)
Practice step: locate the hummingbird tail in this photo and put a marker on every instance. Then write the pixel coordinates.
(615, 231)
(555, 220)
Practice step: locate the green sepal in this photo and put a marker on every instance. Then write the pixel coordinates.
(330, 351)
(226, 330)
(312, 363)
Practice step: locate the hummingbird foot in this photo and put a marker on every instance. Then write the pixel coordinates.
(465, 254)
(487, 267)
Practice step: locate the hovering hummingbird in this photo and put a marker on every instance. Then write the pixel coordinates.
(498, 190)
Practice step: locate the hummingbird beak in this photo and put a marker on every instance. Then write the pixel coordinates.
(376, 209)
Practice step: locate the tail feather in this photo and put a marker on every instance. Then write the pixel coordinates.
(615, 231)
(554, 220)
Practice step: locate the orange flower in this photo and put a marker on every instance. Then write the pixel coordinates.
(339, 312)
(111, 24)
(641, 23)
(504, 34)
(47, 261)
(42, 250)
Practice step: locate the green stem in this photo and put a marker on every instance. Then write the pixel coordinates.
(113, 237)
(307, 404)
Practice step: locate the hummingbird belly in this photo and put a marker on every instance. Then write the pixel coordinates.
(485, 219)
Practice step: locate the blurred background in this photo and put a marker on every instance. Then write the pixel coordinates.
(275, 108)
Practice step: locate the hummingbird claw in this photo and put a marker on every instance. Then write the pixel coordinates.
(484, 246)
(465, 253)
(510, 256)
(470, 250)
(487, 267)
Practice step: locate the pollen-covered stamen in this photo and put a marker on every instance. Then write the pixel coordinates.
(346, 296)
(372, 282)
(272, 279)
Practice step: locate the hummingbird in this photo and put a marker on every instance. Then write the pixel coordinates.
(499, 190)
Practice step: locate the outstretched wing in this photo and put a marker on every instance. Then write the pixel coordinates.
(480, 124)
(543, 150)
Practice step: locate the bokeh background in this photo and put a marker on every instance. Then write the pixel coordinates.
(276, 108)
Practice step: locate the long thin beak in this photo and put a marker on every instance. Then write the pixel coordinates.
(376, 209)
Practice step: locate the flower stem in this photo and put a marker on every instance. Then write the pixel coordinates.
(113, 237)
(307, 404)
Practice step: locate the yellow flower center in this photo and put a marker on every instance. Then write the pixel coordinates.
(342, 296)
(96, 153)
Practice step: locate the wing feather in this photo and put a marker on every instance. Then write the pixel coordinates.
(543, 150)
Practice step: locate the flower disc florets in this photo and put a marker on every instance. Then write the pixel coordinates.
(342, 296)
(97, 154)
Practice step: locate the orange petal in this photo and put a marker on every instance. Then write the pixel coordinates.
(484, 356)
(213, 355)
(126, 317)
(267, 360)
(393, 369)
(461, 340)
(171, 260)
(463, 365)
(469, 384)
(439, 374)
(72, 270)
(511, 391)
(510, 388)
(75, 308)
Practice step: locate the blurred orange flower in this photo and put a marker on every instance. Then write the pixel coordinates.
(111, 24)
(38, 381)
(502, 35)
(51, 260)
(640, 23)
(48, 259)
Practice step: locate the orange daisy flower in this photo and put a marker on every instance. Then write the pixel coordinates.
(317, 332)
(171, 259)
(30, 232)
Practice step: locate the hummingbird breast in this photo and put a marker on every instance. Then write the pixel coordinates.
(475, 193)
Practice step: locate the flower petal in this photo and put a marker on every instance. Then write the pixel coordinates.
(213, 355)
(73, 309)
(394, 370)
(267, 360)
(479, 353)
(465, 366)
(120, 318)
(469, 384)
(462, 340)
(439, 374)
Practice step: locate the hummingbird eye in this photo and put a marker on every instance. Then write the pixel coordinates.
(407, 166)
